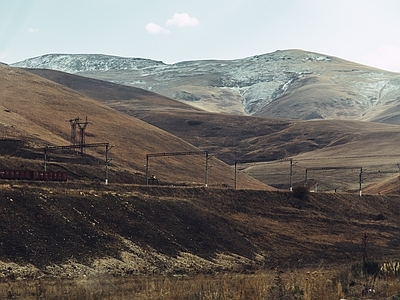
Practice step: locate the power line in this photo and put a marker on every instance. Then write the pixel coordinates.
(92, 145)
(341, 157)
(177, 154)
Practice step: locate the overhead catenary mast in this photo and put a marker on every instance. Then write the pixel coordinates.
(73, 123)
(82, 127)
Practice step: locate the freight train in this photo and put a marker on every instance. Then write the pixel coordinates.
(33, 175)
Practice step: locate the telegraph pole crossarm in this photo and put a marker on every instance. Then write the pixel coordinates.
(264, 161)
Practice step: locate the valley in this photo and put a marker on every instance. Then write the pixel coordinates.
(261, 141)
(273, 123)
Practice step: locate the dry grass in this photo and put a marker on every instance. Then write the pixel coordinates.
(35, 109)
(125, 230)
(305, 284)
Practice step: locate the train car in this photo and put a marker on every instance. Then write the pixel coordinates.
(33, 175)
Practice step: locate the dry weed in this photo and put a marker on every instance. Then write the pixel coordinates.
(277, 285)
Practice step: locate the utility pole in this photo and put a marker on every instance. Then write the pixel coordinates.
(176, 154)
(342, 168)
(147, 169)
(82, 127)
(291, 175)
(107, 162)
(73, 123)
(94, 145)
(306, 178)
(235, 177)
(361, 171)
(207, 167)
(45, 159)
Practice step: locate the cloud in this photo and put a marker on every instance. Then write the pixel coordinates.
(183, 20)
(32, 30)
(155, 28)
(385, 57)
(180, 20)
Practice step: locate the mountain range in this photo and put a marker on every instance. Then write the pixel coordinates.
(292, 84)
(349, 133)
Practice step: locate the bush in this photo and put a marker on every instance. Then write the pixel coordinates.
(379, 217)
(396, 297)
(301, 192)
(371, 267)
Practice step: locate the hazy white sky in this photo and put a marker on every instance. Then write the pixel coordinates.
(364, 31)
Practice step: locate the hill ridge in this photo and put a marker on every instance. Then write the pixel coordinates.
(238, 138)
(36, 109)
(287, 83)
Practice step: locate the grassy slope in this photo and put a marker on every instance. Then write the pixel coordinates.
(312, 144)
(105, 91)
(36, 110)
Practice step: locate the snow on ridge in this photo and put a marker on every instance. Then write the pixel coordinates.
(77, 63)
(259, 79)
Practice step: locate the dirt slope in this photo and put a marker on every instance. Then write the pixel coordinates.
(71, 229)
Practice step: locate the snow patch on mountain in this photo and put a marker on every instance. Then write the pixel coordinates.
(257, 80)
(81, 63)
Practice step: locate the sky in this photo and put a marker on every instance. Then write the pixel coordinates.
(362, 31)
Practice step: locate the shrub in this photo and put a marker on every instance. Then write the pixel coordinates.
(379, 217)
(301, 192)
(371, 268)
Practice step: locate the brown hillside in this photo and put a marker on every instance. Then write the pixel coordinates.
(35, 110)
(312, 144)
(72, 230)
(106, 91)
(389, 186)
(314, 97)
